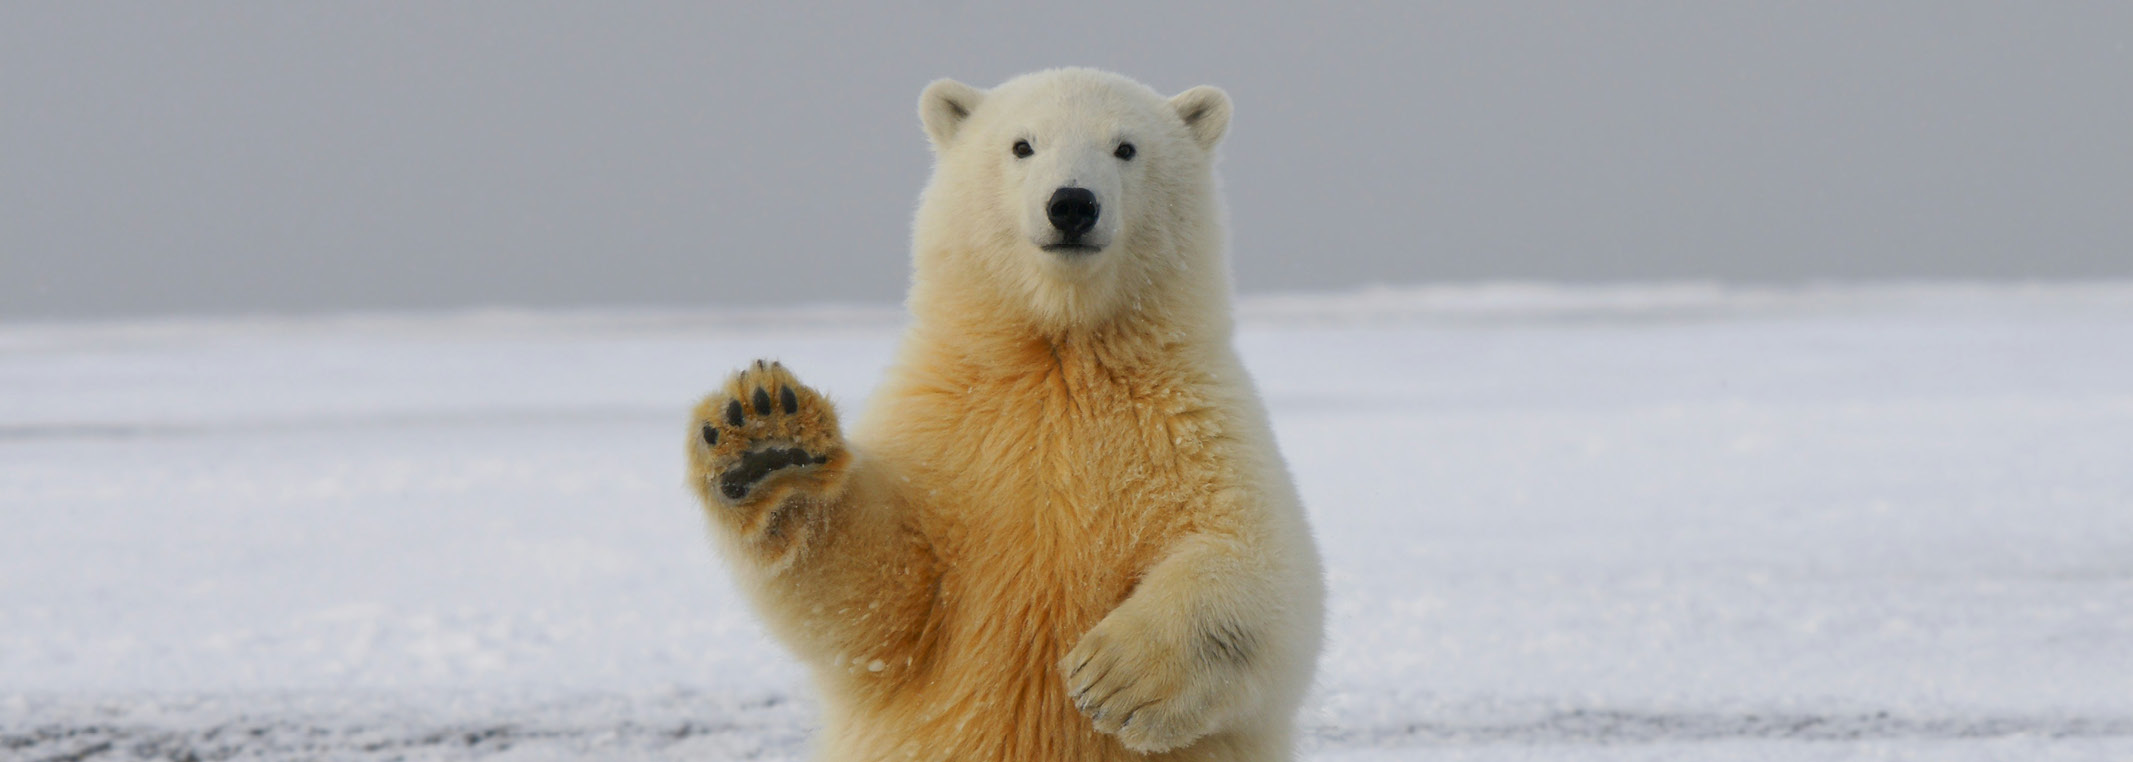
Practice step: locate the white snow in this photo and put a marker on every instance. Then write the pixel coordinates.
(1623, 523)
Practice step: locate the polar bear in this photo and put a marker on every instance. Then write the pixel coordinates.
(1060, 530)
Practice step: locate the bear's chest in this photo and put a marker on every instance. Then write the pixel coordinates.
(1080, 460)
(1055, 498)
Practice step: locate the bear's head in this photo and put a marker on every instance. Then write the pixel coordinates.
(1071, 195)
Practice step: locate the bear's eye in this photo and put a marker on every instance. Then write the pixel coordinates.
(1125, 151)
(1022, 149)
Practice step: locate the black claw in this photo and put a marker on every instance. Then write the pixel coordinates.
(734, 490)
(733, 412)
(710, 434)
(759, 365)
(788, 400)
(762, 401)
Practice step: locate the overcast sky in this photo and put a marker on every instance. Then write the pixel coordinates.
(229, 158)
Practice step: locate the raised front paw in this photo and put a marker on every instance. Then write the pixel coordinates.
(1154, 683)
(764, 438)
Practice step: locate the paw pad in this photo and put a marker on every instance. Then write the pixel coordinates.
(757, 464)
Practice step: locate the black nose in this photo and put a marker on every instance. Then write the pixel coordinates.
(1073, 211)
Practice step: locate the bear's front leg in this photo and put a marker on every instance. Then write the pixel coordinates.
(1187, 654)
(823, 542)
(766, 456)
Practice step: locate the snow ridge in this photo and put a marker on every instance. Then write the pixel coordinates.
(774, 729)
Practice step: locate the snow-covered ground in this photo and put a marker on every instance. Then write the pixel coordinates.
(1671, 522)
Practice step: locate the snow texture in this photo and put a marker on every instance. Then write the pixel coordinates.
(1616, 523)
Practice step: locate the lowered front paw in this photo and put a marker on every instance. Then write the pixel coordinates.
(762, 439)
(1150, 683)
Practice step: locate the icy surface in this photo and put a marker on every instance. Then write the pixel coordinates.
(1676, 522)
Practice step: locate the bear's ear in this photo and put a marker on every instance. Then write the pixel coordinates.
(1205, 110)
(943, 107)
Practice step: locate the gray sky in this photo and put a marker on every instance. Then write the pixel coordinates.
(220, 158)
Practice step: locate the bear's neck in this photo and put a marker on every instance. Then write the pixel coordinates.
(977, 325)
(1110, 348)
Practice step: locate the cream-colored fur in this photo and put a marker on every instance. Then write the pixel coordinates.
(1061, 530)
